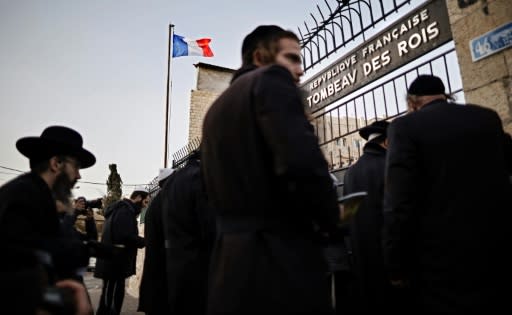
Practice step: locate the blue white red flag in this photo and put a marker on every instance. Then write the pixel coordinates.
(182, 46)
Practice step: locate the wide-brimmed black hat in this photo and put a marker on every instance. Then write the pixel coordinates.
(426, 84)
(378, 127)
(56, 140)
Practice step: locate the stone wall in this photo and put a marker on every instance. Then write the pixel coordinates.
(488, 81)
(200, 101)
(211, 82)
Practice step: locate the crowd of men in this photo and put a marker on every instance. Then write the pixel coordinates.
(242, 228)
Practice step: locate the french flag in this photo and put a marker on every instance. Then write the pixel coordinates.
(182, 46)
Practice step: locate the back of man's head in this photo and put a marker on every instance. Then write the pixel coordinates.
(425, 89)
(426, 84)
(261, 34)
(264, 37)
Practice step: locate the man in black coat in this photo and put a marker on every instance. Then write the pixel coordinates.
(153, 283)
(28, 213)
(189, 231)
(268, 181)
(120, 229)
(371, 284)
(447, 201)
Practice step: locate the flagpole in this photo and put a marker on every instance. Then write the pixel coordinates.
(168, 99)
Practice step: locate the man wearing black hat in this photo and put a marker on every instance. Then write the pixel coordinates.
(371, 284)
(28, 214)
(447, 199)
(268, 181)
(28, 211)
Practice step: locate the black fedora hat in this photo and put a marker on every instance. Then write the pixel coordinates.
(379, 127)
(56, 140)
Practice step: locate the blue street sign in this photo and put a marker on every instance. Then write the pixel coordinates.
(491, 42)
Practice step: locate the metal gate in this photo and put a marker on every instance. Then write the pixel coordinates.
(369, 81)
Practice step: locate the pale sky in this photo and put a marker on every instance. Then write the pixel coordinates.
(100, 67)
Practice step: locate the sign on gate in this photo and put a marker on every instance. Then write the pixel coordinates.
(411, 37)
(491, 42)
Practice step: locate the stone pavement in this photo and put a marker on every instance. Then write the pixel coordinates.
(94, 287)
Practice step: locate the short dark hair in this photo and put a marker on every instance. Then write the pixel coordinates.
(267, 41)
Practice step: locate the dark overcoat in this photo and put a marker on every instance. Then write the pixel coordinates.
(189, 231)
(269, 183)
(28, 218)
(27, 209)
(153, 284)
(448, 201)
(371, 280)
(120, 228)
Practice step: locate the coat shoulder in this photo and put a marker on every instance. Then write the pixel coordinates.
(481, 110)
(278, 73)
(17, 189)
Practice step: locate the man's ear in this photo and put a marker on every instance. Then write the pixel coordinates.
(257, 58)
(55, 164)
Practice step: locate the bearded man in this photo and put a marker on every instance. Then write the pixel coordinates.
(28, 214)
(29, 221)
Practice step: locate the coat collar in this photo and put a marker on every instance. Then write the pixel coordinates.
(434, 102)
(374, 148)
(243, 70)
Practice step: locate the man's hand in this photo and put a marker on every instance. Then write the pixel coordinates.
(83, 306)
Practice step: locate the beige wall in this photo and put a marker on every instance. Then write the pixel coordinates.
(211, 82)
(486, 82)
(200, 101)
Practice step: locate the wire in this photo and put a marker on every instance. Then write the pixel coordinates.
(11, 169)
(94, 183)
(80, 181)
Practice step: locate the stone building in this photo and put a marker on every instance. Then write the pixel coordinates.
(211, 82)
(488, 81)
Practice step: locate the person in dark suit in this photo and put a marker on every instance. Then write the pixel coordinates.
(371, 287)
(447, 198)
(120, 230)
(153, 284)
(189, 231)
(269, 184)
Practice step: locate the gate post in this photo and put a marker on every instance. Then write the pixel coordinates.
(487, 73)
